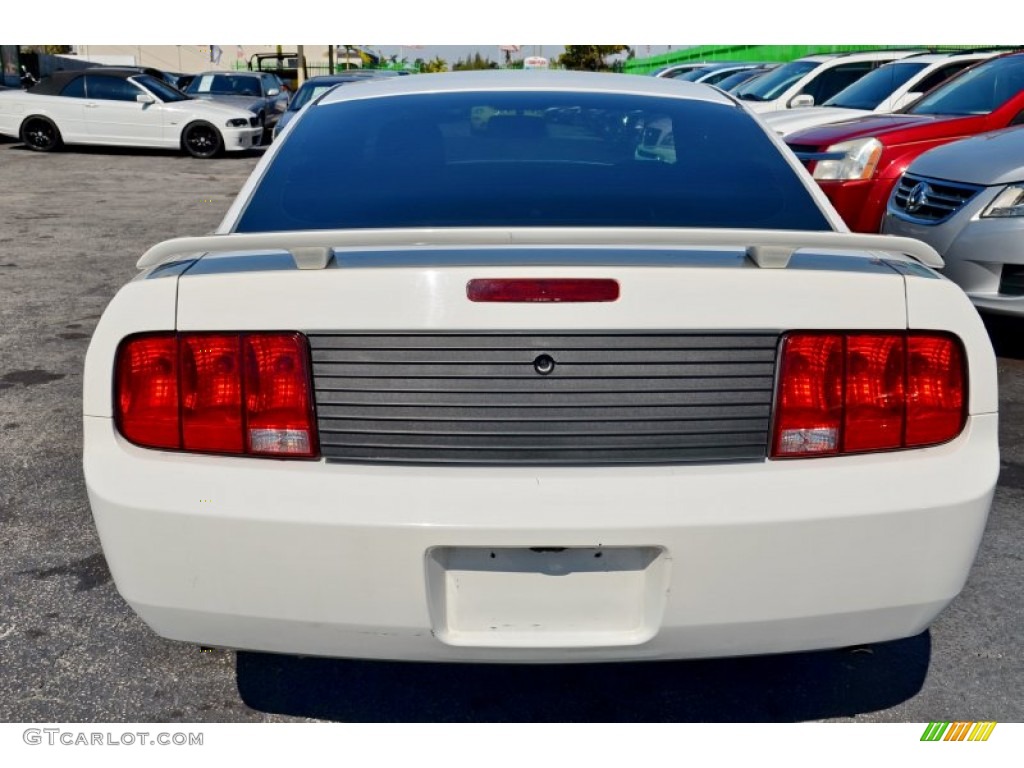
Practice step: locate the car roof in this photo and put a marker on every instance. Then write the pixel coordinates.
(53, 84)
(334, 79)
(879, 55)
(243, 72)
(538, 80)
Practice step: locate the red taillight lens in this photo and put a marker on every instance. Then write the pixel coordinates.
(873, 403)
(278, 409)
(567, 289)
(855, 392)
(239, 393)
(146, 398)
(936, 388)
(808, 412)
(211, 393)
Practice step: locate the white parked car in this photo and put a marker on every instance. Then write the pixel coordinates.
(886, 89)
(535, 396)
(123, 108)
(811, 80)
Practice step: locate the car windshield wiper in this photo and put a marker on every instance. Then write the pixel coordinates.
(750, 97)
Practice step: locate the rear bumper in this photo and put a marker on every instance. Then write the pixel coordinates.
(427, 563)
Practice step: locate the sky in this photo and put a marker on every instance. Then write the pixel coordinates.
(461, 27)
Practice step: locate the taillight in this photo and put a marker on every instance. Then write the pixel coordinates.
(146, 391)
(232, 393)
(542, 289)
(211, 393)
(841, 393)
(278, 406)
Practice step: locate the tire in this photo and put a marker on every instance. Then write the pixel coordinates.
(41, 134)
(202, 140)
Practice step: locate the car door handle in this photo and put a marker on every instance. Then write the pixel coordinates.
(91, 106)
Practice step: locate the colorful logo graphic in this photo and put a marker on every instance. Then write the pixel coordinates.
(958, 731)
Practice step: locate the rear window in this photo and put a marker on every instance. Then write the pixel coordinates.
(528, 159)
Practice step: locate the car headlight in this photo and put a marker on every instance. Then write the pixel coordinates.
(855, 159)
(1008, 203)
(237, 122)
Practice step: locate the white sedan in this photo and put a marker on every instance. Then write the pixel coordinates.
(123, 108)
(535, 394)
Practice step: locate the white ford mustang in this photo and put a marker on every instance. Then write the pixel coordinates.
(537, 393)
(123, 108)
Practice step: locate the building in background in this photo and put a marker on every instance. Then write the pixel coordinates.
(182, 58)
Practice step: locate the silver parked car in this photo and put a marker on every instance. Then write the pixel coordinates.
(262, 93)
(966, 200)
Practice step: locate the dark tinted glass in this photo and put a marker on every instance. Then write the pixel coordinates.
(832, 81)
(160, 89)
(237, 85)
(528, 159)
(307, 93)
(940, 75)
(977, 91)
(775, 83)
(110, 88)
(692, 75)
(871, 90)
(731, 82)
(75, 89)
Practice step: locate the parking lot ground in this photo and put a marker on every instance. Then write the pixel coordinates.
(72, 225)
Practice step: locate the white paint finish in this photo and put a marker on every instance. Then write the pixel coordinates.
(334, 559)
(765, 557)
(424, 298)
(141, 305)
(507, 597)
(551, 81)
(900, 248)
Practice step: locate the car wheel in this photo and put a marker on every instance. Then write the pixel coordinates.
(202, 140)
(40, 134)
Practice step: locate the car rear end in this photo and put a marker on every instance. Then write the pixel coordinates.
(540, 444)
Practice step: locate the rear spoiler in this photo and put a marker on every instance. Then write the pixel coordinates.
(313, 249)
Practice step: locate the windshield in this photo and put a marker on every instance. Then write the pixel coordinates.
(225, 85)
(528, 159)
(159, 88)
(775, 83)
(875, 87)
(976, 91)
(308, 93)
(731, 82)
(693, 74)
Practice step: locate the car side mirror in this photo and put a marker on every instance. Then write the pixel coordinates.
(801, 100)
(273, 92)
(145, 98)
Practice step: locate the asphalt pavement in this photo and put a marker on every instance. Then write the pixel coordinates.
(72, 225)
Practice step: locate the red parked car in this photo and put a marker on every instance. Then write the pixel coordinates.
(858, 162)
